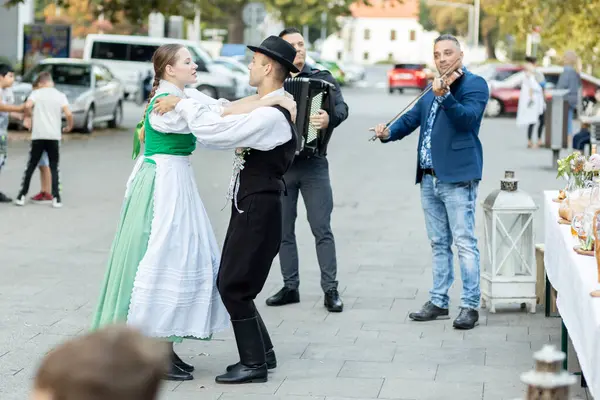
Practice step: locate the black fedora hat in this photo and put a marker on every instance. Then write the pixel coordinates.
(279, 50)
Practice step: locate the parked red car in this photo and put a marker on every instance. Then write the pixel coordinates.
(504, 96)
(408, 76)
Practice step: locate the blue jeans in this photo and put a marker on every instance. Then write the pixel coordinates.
(450, 217)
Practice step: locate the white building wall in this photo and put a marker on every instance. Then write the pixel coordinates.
(370, 40)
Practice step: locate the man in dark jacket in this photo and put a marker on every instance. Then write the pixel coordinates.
(310, 176)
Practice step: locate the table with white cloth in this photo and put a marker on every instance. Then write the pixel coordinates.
(573, 276)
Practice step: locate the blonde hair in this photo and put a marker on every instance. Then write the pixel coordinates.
(114, 363)
(163, 56)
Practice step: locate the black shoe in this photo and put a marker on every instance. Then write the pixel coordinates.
(269, 357)
(284, 296)
(179, 362)
(467, 319)
(429, 312)
(252, 366)
(332, 301)
(4, 198)
(269, 352)
(177, 374)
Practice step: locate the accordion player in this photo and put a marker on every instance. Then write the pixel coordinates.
(311, 95)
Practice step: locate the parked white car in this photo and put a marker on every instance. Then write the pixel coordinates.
(130, 58)
(94, 94)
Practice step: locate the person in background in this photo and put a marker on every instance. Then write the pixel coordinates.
(571, 80)
(48, 105)
(114, 363)
(7, 78)
(44, 165)
(531, 102)
(581, 138)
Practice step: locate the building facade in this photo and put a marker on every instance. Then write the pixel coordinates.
(387, 31)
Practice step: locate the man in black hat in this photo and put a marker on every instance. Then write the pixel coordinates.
(254, 233)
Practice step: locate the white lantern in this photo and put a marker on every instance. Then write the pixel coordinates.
(508, 264)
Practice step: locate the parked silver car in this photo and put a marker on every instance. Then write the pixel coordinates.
(94, 94)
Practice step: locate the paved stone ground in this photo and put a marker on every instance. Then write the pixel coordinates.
(53, 262)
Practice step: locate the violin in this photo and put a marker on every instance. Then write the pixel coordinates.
(451, 75)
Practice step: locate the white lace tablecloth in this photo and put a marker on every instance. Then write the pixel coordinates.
(574, 276)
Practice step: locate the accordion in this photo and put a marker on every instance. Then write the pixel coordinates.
(311, 95)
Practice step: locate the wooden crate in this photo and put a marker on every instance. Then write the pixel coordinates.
(540, 285)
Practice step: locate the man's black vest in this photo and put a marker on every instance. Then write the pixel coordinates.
(263, 170)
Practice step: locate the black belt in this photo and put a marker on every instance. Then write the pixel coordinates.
(428, 171)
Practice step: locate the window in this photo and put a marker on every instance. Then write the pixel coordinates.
(366, 55)
(367, 34)
(62, 74)
(413, 36)
(393, 35)
(390, 56)
(110, 51)
(141, 52)
(339, 55)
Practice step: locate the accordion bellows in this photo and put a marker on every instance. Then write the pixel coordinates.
(311, 95)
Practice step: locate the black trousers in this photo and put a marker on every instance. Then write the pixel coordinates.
(540, 127)
(251, 244)
(38, 147)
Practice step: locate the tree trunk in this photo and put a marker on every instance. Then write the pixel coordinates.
(235, 26)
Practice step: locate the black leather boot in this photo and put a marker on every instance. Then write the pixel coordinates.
(252, 366)
(179, 362)
(177, 374)
(269, 352)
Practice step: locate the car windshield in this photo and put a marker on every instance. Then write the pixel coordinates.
(62, 74)
(409, 66)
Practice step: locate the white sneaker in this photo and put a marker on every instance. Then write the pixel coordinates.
(56, 203)
(20, 200)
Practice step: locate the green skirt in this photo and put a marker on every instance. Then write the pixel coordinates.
(127, 251)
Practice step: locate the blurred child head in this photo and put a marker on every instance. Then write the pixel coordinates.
(44, 79)
(114, 363)
(7, 76)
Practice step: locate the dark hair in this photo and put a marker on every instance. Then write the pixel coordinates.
(530, 59)
(43, 77)
(163, 56)
(5, 69)
(288, 31)
(279, 71)
(447, 36)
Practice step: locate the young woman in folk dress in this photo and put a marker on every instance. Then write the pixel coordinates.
(164, 260)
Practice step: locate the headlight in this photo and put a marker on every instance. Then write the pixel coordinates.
(77, 106)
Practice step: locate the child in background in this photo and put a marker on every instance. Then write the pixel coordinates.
(46, 133)
(7, 78)
(44, 195)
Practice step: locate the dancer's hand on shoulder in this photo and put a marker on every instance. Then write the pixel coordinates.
(165, 104)
(289, 104)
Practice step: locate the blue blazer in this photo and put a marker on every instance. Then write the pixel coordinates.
(456, 151)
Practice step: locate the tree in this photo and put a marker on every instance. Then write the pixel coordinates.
(425, 16)
(564, 25)
(448, 19)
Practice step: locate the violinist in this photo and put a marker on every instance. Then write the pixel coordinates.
(449, 168)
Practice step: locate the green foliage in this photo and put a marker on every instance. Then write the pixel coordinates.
(564, 24)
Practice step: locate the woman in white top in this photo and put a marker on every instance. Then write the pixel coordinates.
(162, 269)
(531, 102)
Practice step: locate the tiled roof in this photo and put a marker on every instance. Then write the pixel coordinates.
(386, 9)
